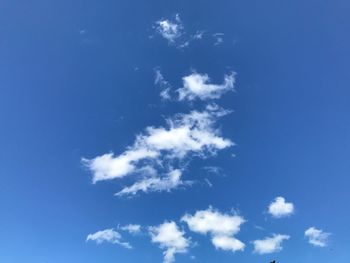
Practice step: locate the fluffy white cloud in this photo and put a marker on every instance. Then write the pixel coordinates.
(171, 239)
(155, 152)
(221, 227)
(131, 228)
(170, 29)
(317, 237)
(228, 243)
(155, 184)
(107, 167)
(197, 86)
(269, 244)
(280, 208)
(108, 235)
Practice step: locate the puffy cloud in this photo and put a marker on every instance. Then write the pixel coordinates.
(108, 235)
(197, 86)
(317, 237)
(280, 208)
(131, 228)
(155, 152)
(171, 239)
(228, 243)
(221, 227)
(269, 244)
(155, 184)
(171, 30)
(107, 167)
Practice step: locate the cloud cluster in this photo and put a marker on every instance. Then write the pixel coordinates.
(317, 237)
(280, 208)
(221, 227)
(108, 235)
(155, 152)
(171, 239)
(269, 244)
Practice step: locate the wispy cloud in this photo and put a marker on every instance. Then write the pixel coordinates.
(131, 228)
(173, 30)
(108, 235)
(317, 237)
(156, 184)
(163, 84)
(170, 29)
(171, 239)
(222, 227)
(280, 208)
(269, 244)
(198, 35)
(219, 38)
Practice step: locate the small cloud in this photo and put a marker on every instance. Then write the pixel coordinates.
(198, 86)
(280, 208)
(131, 228)
(228, 243)
(171, 239)
(109, 236)
(270, 244)
(317, 237)
(170, 29)
(173, 30)
(221, 227)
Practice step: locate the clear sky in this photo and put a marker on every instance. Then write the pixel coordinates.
(219, 129)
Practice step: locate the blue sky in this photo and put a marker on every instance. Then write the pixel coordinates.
(248, 101)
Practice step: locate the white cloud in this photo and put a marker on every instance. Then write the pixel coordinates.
(155, 152)
(171, 239)
(107, 167)
(108, 235)
(228, 243)
(163, 84)
(155, 184)
(280, 208)
(317, 237)
(221, 227)
(197, 86)
(198, 35)
(171, 30)
(269, 244)
(131, 228)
